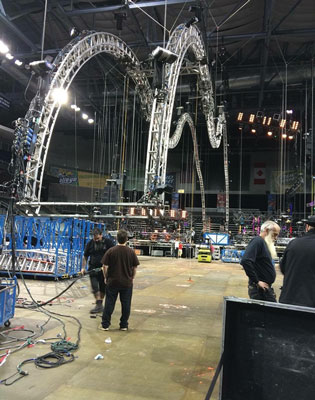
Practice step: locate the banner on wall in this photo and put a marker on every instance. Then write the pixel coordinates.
(259, 174)
(221, 202)
(286, 181)
(66, 176)
(175, 201)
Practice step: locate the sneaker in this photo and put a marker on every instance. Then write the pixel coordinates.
(97, 309)
(101, 327)
(123, 329)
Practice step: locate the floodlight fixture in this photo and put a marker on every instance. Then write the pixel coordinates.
(252, 118)
(4, 49)
(282, 123)
(18, 63)
(90, 120)
(73, 32)
(85, 116)
(9, 56)
(41, 68)
(193, 21)
(164, 55)
(60, 95)
(240, 116)
(295, 125)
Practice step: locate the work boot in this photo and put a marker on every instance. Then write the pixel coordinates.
(98, 307)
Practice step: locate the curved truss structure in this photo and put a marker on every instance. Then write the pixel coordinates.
(66, 65)
(182, 39)
(173, 142)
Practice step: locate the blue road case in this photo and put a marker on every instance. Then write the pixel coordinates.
(7, 300)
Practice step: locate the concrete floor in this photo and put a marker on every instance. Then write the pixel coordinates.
(170, 351)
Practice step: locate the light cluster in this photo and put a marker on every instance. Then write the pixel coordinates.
(4, 49)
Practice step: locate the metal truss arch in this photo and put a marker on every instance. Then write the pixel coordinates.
(173, 142)
(182, 39)
(66, 65)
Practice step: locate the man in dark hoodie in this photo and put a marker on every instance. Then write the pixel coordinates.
(298, 268)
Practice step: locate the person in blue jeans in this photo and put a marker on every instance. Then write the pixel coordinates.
(119, 267)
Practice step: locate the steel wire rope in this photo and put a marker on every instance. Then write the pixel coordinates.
(44, 31)
(132, 159)
(124, 138)
(75, 152)
(93, 161)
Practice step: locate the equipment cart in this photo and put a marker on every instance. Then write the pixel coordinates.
(7, 300)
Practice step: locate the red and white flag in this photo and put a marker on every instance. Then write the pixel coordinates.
(259, 174)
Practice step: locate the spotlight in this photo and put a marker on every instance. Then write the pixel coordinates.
(284, 136)
(289, 112)
(240, 116)
(9, 56)
(60, 95)
(143, 212)
(193, 21)
(73, 106)
(173, 213)
(184, 214)
(90, 121)
(41, 68)
(18, 63)
(4, 49)
(269, 121)
(253, 130)
(85, 116)
(132, 211)
(269, 133)
(295, 125)
(73, 32)
(164, 55)
(264, 120)
(290, 137)
(252, 118)
(77, 109)
(282, 123)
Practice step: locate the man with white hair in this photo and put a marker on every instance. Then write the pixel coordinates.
(258, 265)
(298, 267)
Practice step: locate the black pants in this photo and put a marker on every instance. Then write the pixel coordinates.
(125, 295)
(97, 282)
(256, 293)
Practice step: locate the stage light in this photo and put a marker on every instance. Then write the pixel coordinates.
(9, 56)
(264, 120)
(41, 68)
(73, 32)
(73, 106)
(184, 214)
(194, 20)
(77, 109)
(85, 116)
(252, 118)
(260, 114)
(132, 211)
(90, 121)
(3, 48)
(240, 116)
(18, 63)
(284, 136)
(289, 112)
(173, 213)
(143, 212)
(164, 55)
(119, 18)
(269, 133)
(290, 137)
(269, 121)
(282, 123)
(253, 130)
(295, 125)
(60, 95)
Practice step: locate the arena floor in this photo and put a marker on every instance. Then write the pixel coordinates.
(170, 351)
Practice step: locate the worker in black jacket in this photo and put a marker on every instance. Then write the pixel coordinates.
(94, 251)
(258, 265)
(298, 268)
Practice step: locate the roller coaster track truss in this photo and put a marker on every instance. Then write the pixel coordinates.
(66, 65)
